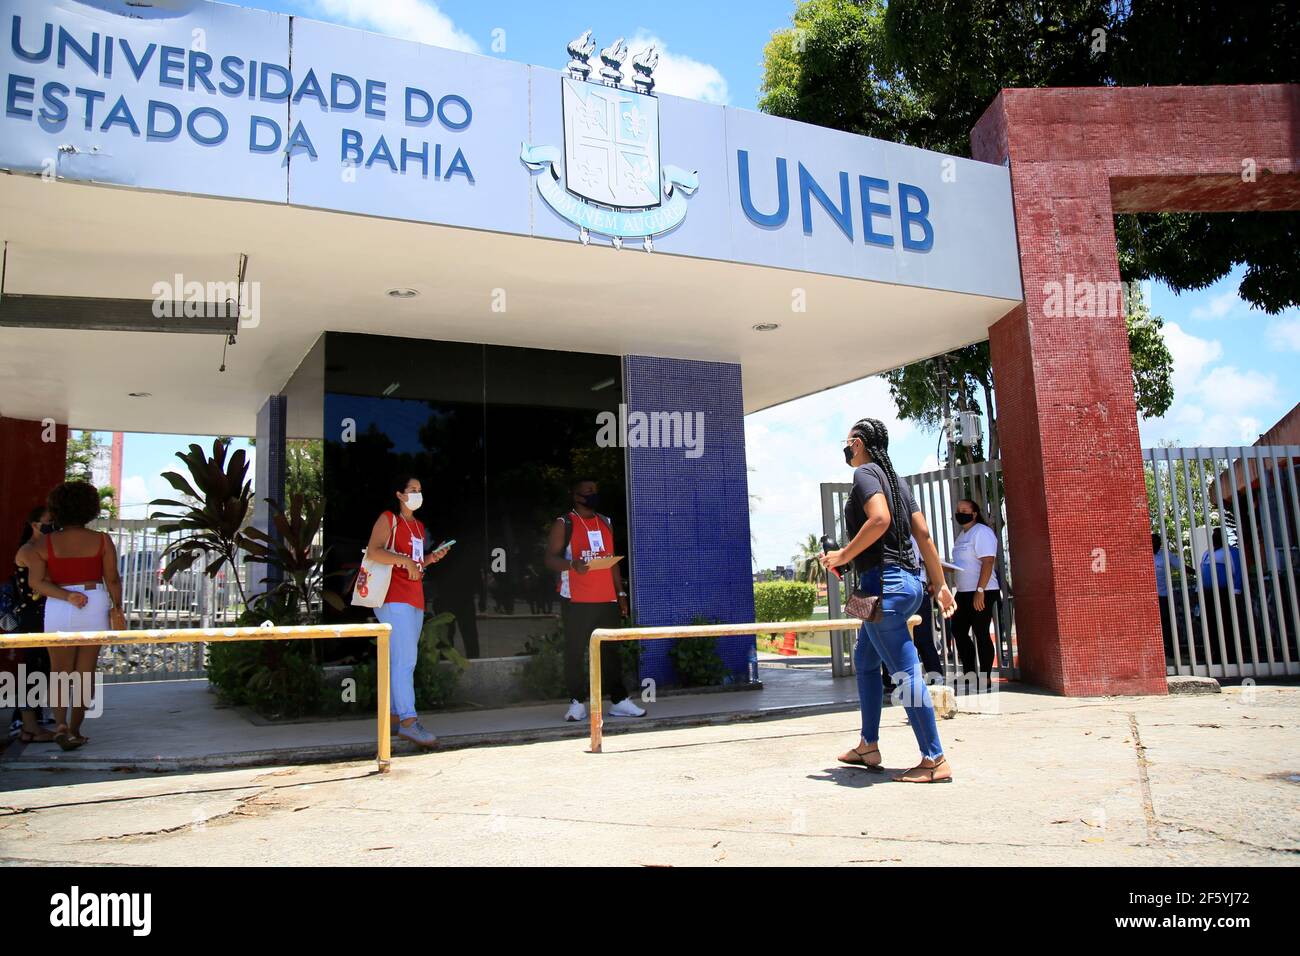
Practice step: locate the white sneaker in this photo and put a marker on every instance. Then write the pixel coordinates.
(625, 708)
(576, 711)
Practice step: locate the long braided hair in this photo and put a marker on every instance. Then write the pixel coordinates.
(875, 439)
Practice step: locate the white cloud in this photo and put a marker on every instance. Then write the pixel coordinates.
(1191, 355)
(1284, 334)
(1212, 403)
(679, 75)
(1225, 389)
(418, 20)
(1218, 307)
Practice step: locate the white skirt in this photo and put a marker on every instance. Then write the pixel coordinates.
(61, 615)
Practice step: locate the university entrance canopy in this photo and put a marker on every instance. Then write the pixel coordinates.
(152, 150)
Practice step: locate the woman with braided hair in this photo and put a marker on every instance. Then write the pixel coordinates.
(881, 517)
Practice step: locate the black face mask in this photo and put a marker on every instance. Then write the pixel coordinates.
(592, 500)
(965, 519)
(47, 529)
(848, 454)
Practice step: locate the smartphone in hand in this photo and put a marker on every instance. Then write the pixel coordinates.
(828, 546)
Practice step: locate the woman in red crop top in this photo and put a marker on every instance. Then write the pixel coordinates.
(77, 572)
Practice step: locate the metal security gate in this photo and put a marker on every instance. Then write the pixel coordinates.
(936, 493)
(1226, 559)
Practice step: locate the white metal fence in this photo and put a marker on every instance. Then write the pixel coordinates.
(937, 493)
(190, 599)
(1227, 558)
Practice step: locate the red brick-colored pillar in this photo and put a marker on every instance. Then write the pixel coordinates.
(1087, 620)
(33, 459)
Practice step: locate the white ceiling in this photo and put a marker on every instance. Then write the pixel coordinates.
(329, 271)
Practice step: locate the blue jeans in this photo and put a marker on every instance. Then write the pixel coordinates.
(407, 621)
(888, 642)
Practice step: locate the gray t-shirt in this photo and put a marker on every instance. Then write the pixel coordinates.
(869, 480)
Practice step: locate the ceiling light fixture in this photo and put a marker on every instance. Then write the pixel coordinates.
(767, 327)
(403, 293)
(603, 384)
(139, 394)
(394, 386)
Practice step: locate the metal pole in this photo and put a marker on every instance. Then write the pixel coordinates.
(1270, 552)
(1285, 527)
(1164, 541)
(1183, 585)
(1227, 560)
(597, 693)
(384, 702)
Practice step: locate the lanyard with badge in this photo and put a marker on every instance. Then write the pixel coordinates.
(417, 543)
(595, 539)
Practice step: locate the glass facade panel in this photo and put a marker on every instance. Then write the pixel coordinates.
(495, 436)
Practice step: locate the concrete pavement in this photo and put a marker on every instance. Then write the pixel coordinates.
(1042, 781)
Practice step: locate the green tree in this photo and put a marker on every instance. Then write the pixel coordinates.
(922, 72)
(810, 565)
(80, 467)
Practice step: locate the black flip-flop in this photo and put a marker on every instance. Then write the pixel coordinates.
(67, 741)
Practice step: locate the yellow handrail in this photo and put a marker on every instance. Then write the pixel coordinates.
(695, 630)
(210, 635)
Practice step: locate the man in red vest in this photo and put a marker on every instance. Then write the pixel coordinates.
(591, 597)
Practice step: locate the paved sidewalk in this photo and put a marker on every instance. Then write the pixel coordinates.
(175, 725)
(1196, 780)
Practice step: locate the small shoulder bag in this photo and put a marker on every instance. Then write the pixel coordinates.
(864, 606)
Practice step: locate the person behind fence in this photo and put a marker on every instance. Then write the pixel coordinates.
(590, 598)
(76, 569)
(1216, 581)
(399, 538)
(975, 553)
(881, 516)
(1162, 588)
(29, 611)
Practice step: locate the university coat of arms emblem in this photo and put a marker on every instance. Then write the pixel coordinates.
(609, 179)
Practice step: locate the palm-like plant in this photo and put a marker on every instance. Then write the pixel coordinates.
(810, 553)
(292, 552)
(212, 520)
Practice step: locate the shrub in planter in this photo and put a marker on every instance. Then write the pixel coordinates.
(277, 679)
(697, 662)
(543, 674)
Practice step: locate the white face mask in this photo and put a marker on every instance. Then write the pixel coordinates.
(414, 500)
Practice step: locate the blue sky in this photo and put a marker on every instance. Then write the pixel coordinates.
(1233, 368)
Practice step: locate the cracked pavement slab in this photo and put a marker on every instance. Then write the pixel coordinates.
(1043, 780)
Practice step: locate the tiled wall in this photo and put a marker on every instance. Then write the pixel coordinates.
(690, 516)
(1086, 614)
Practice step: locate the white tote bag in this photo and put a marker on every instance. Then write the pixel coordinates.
(373, 578)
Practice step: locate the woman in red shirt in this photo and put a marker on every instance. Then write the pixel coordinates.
(76, 569)
(399, 538)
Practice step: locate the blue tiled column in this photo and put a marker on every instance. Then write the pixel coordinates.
(689, 517)
(268, 482)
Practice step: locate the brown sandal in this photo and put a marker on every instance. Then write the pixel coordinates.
(859, 758)
(941, 772)
(69, 741)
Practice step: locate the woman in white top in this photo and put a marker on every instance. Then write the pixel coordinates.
(975, 552)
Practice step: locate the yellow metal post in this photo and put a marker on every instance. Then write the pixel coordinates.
(214, 635)
(597, 718)
(694, 630)
(385, 704)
